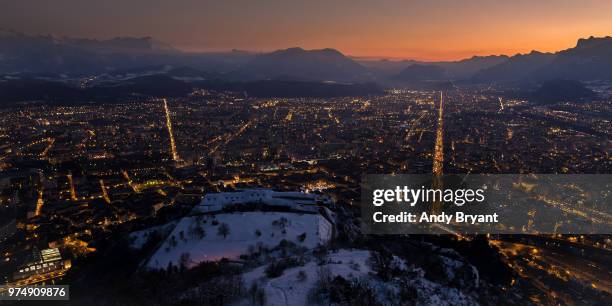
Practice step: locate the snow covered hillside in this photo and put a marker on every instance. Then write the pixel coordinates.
(352, 270)
(196, 239)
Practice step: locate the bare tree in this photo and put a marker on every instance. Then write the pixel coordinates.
(223, 230)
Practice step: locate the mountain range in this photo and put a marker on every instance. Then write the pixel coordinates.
(323, 65)
(122, 57)
(45, 54)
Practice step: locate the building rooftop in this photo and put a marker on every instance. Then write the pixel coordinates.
(301, 201)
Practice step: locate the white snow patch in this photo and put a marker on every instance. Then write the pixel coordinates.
(288, 290)
(242, 228)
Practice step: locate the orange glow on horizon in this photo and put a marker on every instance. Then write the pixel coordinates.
(442, 53)
(396, 29)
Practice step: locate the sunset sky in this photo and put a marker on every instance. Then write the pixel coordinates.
(426, 30)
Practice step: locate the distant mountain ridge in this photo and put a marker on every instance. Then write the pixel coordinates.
(420, 72)
(467, 68)
(42, 54)
(323, 65)
(589, 59)
(124, 44)
(517, 67)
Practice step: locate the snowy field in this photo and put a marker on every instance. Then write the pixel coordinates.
(287, 290)
(244, 229)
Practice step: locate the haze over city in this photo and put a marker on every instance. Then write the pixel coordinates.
(428, 30)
